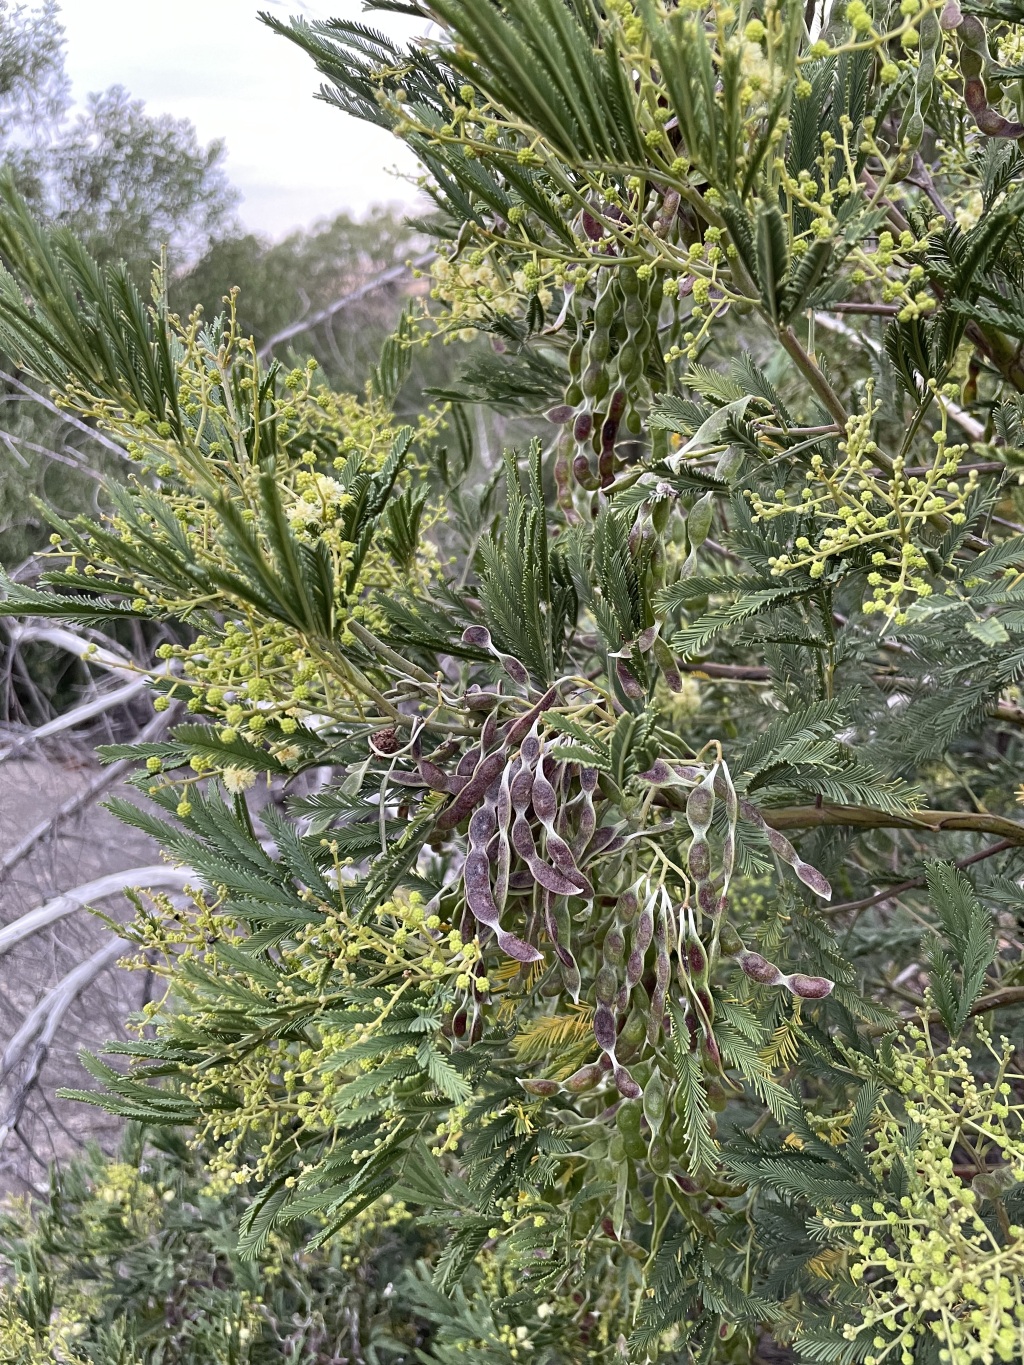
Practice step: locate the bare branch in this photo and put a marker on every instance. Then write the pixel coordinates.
(156, 875)
(381, 281)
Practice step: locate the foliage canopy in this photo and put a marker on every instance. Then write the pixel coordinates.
(536, 955)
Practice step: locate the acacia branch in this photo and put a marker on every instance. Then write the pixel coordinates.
(868, 817)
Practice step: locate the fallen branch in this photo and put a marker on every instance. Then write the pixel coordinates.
(81, 799)
(157, 875)
(32, 1041)
(381, 281)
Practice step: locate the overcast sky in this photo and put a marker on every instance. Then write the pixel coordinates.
(294, 158)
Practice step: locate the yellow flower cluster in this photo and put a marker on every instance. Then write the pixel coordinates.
(858, 508)
(937, 1260)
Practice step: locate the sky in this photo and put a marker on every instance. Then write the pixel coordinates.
(294, 158)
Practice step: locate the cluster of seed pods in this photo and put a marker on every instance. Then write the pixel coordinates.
(607, 386)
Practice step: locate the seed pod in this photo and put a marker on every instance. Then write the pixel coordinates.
(783, 849)
(591, 226)
(628, 1119)
(662, 974)
(559, 929)
(759, 969)
(627, 681)
(626, 1085)
(700, 804)
(585, 1078)
(515, 730)
(659, 1155)
(655, 1101)
(539, 1087)
(560, 414)
(486, 771)
(643, 933)
(477, 878)
(808, 987)
(543, 873)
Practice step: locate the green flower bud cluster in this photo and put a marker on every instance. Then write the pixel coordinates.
(942, 1259)
(857, 509)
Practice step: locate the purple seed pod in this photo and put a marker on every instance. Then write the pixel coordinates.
(783, 849)
(696, 958)
(662, 975)
(467, 763)
(808, 987)
(484, 774)
(515, 669)
(588, 815)
(659, 774)
(628, 682)
(591, 226)
(583, 428)
(488, 731)
(440, 781)
(530, 750)
(516, 729)
(951, 17)
(710, 1055)
(582, 472)
(521, 880)
(759, 969)
(699, 859)
(700, 804)
(606, 840)
(477, 636)
(627, 906)
(586, 1078)
(558, 927)
(615, 946)
(643, 933)
(732, 810)
(482, 825)
(560, 414)
(811, 877)
(503, 816)
(545, 802)
(477, 878)
(544, 1089)
(546, 876)
(604, 1029)
(626, 1085)
(645, 640)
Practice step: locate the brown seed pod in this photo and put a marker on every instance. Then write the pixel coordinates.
(385, 742)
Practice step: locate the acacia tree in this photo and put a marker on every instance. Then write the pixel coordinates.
(539, 958)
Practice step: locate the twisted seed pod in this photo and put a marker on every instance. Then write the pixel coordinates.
(780, 845)
(643, 934)
(545, 806)
(503, 817)
(588, 815)
(628, 682)
(484, 774)
(558, 926)
(662, 972)
(513, 732)
(766, 973)
(438, 780)
(732, 812)
(477, 878)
